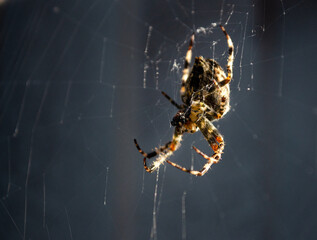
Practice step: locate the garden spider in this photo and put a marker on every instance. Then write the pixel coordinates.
(205, 94)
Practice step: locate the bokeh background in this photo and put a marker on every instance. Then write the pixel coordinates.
(79, 80)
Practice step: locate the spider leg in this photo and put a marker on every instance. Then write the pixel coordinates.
(171, 100)
(163, 152)
(210, 160)
(188, 59)
(206, 167)
(216, 142)
(145, 166)
(154, 153)
(230, 58)
(212, 135)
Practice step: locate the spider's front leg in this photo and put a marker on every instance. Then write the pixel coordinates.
(186, 69)
(230, 58)
(172, 101)
(154, 153)
(162, 152)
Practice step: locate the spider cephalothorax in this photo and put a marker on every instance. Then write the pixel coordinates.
(181, 117)
(205, 93)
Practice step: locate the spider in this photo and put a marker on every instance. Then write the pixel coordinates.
(205, 94)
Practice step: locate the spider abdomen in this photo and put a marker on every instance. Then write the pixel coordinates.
(202, 85)
(219, 101)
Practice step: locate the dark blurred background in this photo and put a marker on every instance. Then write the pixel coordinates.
(79, 80)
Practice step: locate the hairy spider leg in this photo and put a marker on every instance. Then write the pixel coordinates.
(145, 166)
(188, 59)
(205, 168)
(154, 153)
(171, 100)
(212, 135)
(230, 58)
(163, 152)
(216, 142)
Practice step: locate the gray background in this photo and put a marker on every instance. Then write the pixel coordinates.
(72, 100)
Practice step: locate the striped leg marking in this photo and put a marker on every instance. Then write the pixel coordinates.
(188, 59)
(154, 153)
(210, 160)
(230, 58)
(171, 100)
(162, 152)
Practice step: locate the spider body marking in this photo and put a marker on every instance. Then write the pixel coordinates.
(205, 94)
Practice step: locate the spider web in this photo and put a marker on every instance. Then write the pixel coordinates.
(81, 79)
